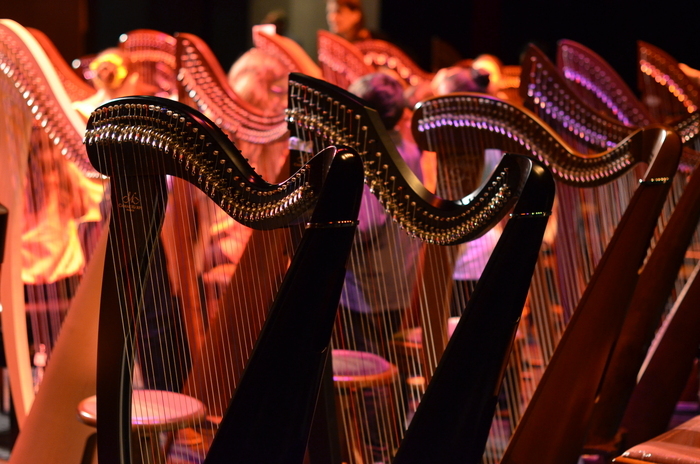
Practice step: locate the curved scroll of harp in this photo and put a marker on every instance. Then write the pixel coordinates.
(34, 102)
(380, 53)
(290, 53)
(203, 84)
(137, 141)
(341, 61)
(599, 85)
(152, 54)
(76, 87)
(669, 94)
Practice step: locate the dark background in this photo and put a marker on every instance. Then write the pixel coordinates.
(470, 27)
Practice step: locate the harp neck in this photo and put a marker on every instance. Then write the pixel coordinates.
(597, 83)
(381, 53)
(321, 114)
(292, 56)
(509, 127)
(167, 138)
(152, 54)
(546, 93)
(203, 82)
(25, 64)
(665, 88)
(341, 61)
(76, 87)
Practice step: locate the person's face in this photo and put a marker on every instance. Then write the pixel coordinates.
(341, 19)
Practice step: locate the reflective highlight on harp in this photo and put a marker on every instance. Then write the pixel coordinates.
(331, 225)
(655, 180)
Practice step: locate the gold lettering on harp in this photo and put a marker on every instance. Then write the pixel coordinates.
(130, 202)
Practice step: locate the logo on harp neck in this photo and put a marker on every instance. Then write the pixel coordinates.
(130, 202)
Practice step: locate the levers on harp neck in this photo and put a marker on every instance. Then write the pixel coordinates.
(331, 224)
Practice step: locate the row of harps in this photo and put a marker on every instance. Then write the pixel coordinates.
(581, 281)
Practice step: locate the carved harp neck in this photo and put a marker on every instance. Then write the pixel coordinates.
(492, 123)
(321, 114)
(24, 62)
(203, 82)
(599, 85)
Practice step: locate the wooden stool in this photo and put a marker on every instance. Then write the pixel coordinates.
(152, 412)
(356, 374)
(680, 445)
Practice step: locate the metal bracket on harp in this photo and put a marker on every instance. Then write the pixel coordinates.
(532, 214)
(331, 225)
(655, 180)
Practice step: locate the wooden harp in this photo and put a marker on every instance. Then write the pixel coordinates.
(459, 123)
(35, 105)
(661, 268)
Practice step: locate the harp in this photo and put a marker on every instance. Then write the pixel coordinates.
(656, 280)
(381, 53)
(286, 50)
(137, 141)
(668, 93)
(341, 61)
(35, 105)
(453, 124)
(321, 114)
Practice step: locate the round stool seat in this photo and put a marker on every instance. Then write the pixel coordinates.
(152, 412)
(358, 369)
